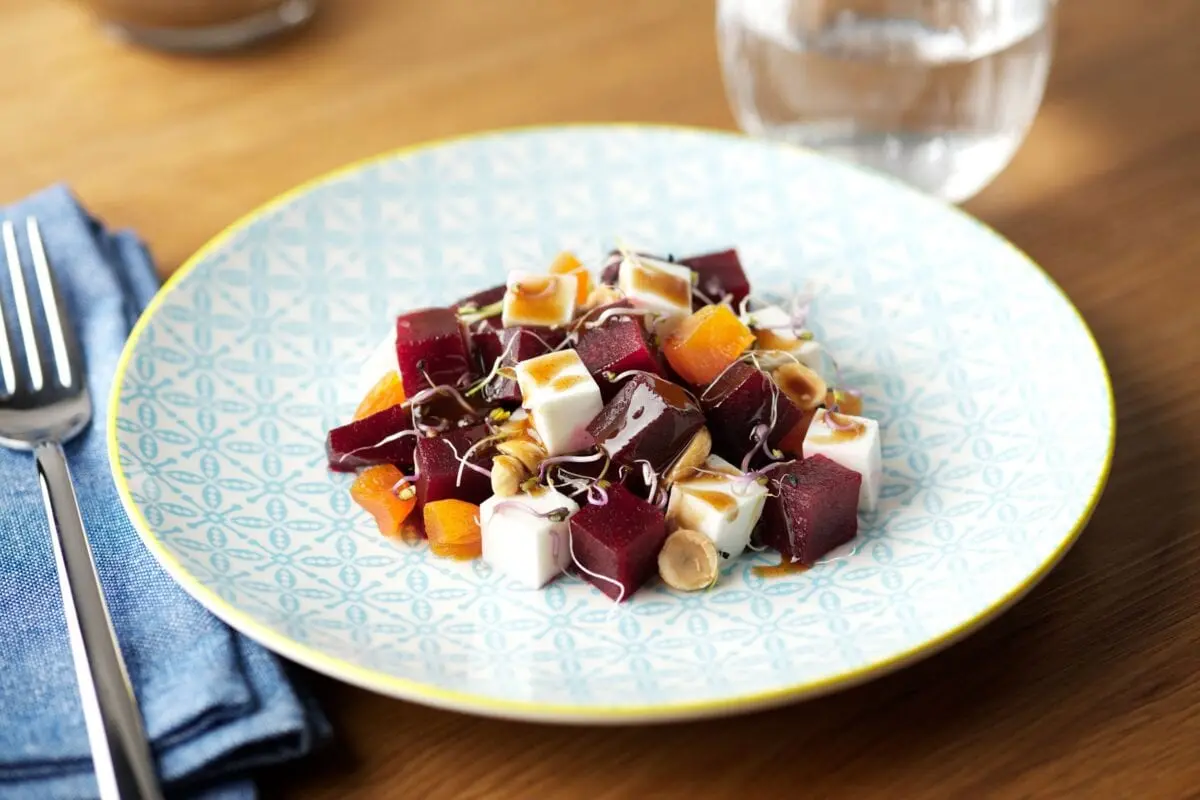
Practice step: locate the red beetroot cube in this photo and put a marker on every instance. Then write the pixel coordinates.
(617, 345)
(373, 440)
(619, 540)
(437, 460)
(649, 419)
(611, 269)
(492, 343)
(430, 346)
(811, 509)
(737, 403)
(718, 275)
(476, 301)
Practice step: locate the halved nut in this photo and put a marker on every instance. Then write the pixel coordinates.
(602, 295)
(694, 455)
(803, 386)
(528, 452)
(507, 476)
(688, 561)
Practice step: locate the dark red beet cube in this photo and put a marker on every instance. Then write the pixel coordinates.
(615, 346)
(619, 540)
(611, 269)
(811, 509)
(373, 440)
(478, 300)
(492, 343)
(741, 400)
(718, 275)
(649, 419)
(430, 346)
(437, 460)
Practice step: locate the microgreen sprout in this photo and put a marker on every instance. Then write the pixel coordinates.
(463, 461)
(496, 367)
(471, 313)
(834, 420)
(559, 514)
(759, 436)
(568, 459)
(597, 493)
(620, 586)
(411, 480)
(650, 477)
(341, 459)
(611, 313)
(425, 395)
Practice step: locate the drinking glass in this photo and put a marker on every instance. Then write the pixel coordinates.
(939, 93)
(200, 25)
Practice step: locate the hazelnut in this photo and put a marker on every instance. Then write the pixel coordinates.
(688, 561)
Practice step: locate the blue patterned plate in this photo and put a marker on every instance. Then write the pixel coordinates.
(993, 398)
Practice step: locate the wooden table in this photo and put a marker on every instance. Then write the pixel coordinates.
(1089, 688)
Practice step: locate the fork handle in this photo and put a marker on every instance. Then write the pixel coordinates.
(120, 752)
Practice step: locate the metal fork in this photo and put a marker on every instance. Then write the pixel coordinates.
(44, 402)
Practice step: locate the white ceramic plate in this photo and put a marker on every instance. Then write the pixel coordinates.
(993, 398)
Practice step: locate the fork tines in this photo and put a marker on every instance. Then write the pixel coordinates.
(47, 357)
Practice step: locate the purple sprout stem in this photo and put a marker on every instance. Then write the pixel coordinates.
(551, 461)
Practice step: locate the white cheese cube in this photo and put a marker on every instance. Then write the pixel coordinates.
(530, 549)
(724, 507)
(852, 442)
(659, 286)
(539, 300)
(562, 398)
(380, 363)
(774, 329)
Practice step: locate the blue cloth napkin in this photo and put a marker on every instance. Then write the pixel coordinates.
(215, 703)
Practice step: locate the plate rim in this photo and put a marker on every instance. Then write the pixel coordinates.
(487, 705)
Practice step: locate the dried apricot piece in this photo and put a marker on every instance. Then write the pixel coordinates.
(386, 393)
(452, 527)
(568, 264)
(384, 494)
(706, 343)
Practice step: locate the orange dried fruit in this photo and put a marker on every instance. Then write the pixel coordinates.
(707, 342)
(384, 494)
(388, 392)
(567, 264)
(452, 527)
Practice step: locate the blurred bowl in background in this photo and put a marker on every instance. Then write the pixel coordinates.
(200, 25)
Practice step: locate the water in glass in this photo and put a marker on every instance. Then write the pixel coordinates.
(939, 93)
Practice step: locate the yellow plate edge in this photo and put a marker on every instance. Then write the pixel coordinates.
(548, 712)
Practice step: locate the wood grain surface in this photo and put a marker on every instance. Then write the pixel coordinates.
(1090, 687)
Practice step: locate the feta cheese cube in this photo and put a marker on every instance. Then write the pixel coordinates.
(379, 363)
(724, 507)
(852, 442)
(530, 549)
(774, 329)
(658, 286)
(562, 398)
(538, 300)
